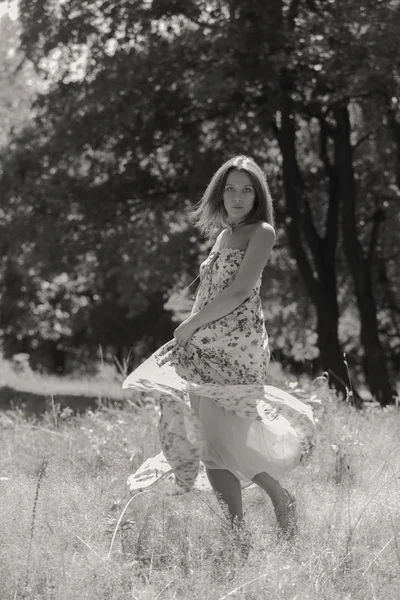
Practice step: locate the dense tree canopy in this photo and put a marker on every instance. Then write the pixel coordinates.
(141, 101)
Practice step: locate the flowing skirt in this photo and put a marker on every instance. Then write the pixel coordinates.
(209, 415)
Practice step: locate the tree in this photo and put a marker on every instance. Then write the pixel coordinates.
(145, 97)
(342, 81)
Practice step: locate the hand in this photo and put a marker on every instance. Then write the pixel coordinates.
(184, 332)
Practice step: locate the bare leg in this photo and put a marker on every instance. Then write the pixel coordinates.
(228, 491)
(273, 488)
(284, 503)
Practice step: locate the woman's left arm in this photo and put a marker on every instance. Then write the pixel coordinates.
(253, 263)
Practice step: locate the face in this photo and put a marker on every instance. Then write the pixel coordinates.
(239, 195)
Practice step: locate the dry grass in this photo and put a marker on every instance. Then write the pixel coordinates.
(62, 490)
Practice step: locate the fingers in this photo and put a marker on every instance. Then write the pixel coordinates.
(167, 347)
(181, 343)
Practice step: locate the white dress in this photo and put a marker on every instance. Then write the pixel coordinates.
(216, 404)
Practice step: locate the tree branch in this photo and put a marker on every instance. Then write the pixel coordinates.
(377, 219)
(201, 24)
(323, 137)
(364, 137)
(292, 13)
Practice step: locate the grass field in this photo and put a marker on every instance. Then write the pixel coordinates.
(62, 490)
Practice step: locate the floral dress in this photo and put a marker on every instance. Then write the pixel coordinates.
(216, 404)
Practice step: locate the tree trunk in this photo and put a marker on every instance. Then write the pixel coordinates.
(320, 275)
(376, 371)
(331, 354)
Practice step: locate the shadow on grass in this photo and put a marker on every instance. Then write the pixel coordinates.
(33, 404)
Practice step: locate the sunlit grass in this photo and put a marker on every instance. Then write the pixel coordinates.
(62, 490)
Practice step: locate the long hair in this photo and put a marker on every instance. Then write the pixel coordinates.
(209, 213)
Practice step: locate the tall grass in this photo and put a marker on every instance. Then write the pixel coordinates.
(62, 492)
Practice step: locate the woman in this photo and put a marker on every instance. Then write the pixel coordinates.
(216, 405)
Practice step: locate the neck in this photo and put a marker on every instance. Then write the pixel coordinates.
(233, 226)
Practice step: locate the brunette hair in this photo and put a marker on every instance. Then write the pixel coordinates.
(210, 214)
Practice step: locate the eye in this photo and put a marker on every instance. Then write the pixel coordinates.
(248, 190)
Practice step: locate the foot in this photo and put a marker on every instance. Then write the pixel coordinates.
(236, 543)
(243, 541)
(286, 515)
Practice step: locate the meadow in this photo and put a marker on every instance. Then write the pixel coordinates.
(63, 489)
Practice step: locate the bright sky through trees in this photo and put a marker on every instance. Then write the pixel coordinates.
(10, 7)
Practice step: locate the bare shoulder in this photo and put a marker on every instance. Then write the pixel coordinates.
(262, 234)
(261, 241)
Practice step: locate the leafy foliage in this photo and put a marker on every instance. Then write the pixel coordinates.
(142, 102)
(17, 83)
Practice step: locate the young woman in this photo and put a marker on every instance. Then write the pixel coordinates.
(216, 405)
